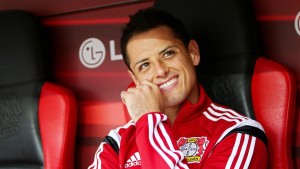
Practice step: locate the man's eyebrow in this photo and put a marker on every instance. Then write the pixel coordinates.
(161, 52)
(140, 61)
(164, 50)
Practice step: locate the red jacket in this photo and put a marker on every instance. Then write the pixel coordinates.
(204, 135)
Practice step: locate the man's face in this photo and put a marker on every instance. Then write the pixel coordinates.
(159, 57)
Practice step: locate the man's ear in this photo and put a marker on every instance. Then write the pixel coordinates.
(194, 52)
(134, 79)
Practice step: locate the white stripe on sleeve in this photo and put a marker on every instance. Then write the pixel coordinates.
(250, 153)
(159, 151)
(242, 152)
(234, 151)
(97, 161)
(176, 154)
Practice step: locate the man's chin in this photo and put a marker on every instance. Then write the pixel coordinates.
(169, 103)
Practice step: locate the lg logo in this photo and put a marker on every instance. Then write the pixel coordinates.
(297, 23)
(92, 52)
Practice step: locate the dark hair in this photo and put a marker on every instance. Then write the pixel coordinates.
(147, 19)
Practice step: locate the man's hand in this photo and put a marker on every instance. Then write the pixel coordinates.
(144, 98)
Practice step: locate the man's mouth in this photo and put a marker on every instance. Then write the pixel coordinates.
(168, 83)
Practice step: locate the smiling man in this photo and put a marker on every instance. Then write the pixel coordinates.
(174, 123)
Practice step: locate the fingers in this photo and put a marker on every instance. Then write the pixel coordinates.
(129, 92)
(123, 93)
(144, 90)
(145, 97)
(147, 83)
(133, 91)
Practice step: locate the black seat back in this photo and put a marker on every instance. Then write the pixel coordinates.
(21, 79)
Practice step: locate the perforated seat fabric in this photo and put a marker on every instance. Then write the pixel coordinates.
(20, 142)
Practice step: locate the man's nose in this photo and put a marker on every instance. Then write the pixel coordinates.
(162, 69)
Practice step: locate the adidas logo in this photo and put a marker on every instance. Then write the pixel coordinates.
(134, 160)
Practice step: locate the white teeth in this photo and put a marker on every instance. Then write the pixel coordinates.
(168, 83)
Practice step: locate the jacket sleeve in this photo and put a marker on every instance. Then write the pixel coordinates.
(155, 139)
(105, 157)
(238, 150)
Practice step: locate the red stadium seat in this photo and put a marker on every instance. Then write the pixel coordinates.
(233, 72)
(37, 118)
(274, 101)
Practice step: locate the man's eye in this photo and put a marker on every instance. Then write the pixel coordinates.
(169, 53)
(143, 66)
